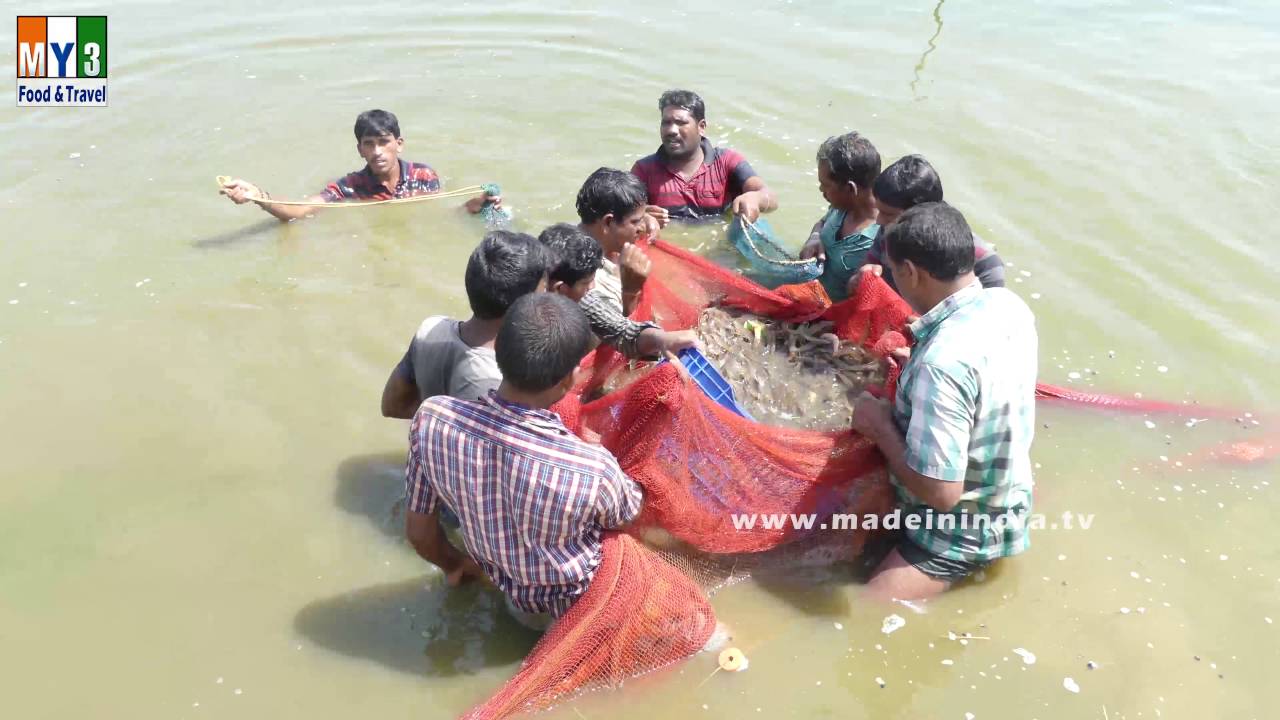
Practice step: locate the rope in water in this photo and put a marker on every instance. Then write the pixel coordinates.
(749, 227)
(468, 191)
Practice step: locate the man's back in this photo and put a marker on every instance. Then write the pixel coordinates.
(531, 498)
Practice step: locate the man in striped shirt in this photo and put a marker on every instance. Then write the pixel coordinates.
(385, 175)
(531, 498)
(957, 436)
(691, 180)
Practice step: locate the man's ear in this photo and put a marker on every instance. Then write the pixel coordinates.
(910, 271)
(399, 143)
(702, 126)
(559, 286)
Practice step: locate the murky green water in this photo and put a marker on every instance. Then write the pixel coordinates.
(195, 483)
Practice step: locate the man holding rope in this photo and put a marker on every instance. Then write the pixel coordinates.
(385, 175)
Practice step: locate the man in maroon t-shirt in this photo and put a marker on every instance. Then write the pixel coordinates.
(688, 178)
(385, 175)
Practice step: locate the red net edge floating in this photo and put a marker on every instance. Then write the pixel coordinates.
(639, 614)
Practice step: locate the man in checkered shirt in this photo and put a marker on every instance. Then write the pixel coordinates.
(958, 434)
(385, 175)
(532, 500)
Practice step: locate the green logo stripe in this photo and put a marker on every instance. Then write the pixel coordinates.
(91, 46)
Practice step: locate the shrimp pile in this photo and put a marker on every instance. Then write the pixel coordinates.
(795, 375)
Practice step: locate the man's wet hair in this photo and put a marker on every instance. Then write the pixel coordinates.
(505, 266)
(935, 237)
(376, 123)
(852, 158)
(542, 339)
(573, 254)
(907, 183)
(608, 191)
(686, 99)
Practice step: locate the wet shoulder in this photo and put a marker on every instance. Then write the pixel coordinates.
(437, 328)
(981, 327)
(644, 167)
(448, 409)
(727, 157)
(1006, 306)
(422, 171)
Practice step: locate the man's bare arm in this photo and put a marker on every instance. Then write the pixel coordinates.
(242, 191)
(400, 397)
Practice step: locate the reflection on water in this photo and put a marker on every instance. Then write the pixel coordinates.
(933, 45)
(420, 627)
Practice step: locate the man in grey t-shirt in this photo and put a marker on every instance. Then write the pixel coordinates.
(449, 357)
(440, 362)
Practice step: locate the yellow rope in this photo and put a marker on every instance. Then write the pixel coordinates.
(468, 191)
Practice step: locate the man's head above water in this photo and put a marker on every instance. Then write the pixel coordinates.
(908, 182)
(684, 119)
(378, 140)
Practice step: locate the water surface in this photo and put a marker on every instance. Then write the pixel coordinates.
(195, 483)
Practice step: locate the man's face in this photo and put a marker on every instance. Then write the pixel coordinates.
(886, 214)
(679, 132)
(620, 232)
(381, 152)
(838, 194)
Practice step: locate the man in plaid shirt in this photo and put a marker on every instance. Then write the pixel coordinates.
(958, 434)
(385, 175)
(531, 498)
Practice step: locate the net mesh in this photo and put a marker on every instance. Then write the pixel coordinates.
(700, 465)
(770, 265)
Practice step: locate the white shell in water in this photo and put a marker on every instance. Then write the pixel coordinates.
(892, 624)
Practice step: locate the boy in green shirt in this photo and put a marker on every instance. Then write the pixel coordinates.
(847, 167)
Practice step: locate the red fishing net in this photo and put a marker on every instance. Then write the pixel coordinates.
(700, 465)
(639, 614)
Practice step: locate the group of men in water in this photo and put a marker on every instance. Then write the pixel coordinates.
(531, 500)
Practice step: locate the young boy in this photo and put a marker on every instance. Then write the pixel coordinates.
(611, 208)
(532, 499)
(957, 436)
(575, 259)
(385, 174)
(847, 166)
(903, 185)
(455, 358)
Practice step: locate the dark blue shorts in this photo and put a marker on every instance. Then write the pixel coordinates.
(938, 567)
